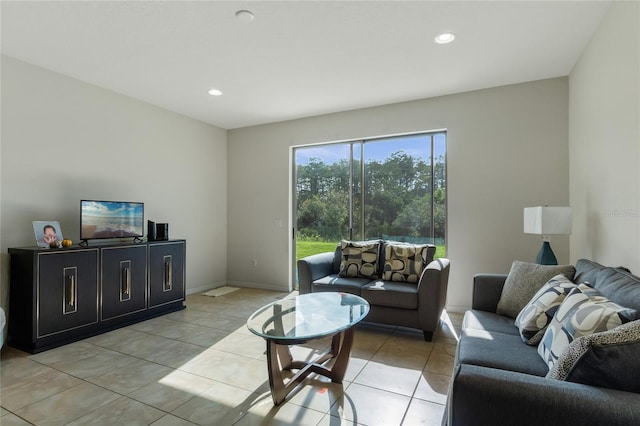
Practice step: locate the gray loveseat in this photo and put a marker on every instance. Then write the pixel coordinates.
(408, 304)
(500, 380)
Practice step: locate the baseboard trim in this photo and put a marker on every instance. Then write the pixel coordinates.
(456, 309)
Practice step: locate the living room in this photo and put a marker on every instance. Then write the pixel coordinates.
(566, 140)
(509, 147)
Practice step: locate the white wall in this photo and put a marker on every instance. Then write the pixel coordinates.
(604, 142)
(507, 149)
(64, 140)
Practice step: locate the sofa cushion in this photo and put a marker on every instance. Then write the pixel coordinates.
(337, 259)
(488, 321)
(584, 311)
(499, 350)
(619, 286)
(616, 284)
(532, 321)
(587, 271)
(359, 259)
(523, 281)
(404, 262)
(391, 294)
(340, 284)
(608, 359)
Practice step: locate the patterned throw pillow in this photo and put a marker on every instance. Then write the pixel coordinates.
(603, 359)
(584, 311)
(523, 281)
(359, 259)
(533, 320)
(404, 262)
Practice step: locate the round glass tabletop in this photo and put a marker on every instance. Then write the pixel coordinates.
(308, 316)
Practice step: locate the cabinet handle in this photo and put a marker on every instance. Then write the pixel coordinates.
(69, 291)
(168, 272)
(127, 281)
(72, 290)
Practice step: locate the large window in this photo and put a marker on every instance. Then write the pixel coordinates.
(391, 188)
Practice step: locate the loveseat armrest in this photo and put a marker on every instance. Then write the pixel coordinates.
(487, 396)
(487, 289)
(314, 267)
(432, 295)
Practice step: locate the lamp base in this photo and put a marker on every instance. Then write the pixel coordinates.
(546, 256)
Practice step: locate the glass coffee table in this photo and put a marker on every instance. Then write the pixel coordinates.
(298, 320)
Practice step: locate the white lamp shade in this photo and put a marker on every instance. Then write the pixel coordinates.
(547, 220)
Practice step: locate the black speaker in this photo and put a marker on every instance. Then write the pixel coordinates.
(162, 231)
(151, 230)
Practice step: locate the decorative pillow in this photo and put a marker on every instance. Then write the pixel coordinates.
(584, 311)
(532, 321)
(603, 359)
(523, 281)
(359, 259)
(404, 262)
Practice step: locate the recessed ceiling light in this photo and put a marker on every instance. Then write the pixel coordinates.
(444, 38)
(215, 92)
(244, 16)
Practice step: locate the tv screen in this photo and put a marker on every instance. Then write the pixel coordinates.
(111, 219)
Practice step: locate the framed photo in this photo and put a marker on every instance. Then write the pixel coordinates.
(47, 231)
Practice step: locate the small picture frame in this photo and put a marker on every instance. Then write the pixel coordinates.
(47, 232)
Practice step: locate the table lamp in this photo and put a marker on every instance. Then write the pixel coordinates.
(547, 221)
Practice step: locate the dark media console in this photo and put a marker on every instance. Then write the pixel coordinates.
(58, 296)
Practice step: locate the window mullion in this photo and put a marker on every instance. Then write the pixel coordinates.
(362, 191)
(433, 180)
(351, 184)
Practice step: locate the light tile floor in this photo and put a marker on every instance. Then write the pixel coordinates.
(202, 366)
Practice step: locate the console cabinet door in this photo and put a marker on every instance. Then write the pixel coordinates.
(166, 273)
(67, 290)
(123, 275)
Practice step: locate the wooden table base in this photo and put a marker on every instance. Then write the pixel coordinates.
(279, 359)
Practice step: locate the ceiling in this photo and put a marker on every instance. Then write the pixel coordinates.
(296, 58)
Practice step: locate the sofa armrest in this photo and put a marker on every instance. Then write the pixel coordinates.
(314, 267)
(487, 396)
(487, 289)
(432, 293)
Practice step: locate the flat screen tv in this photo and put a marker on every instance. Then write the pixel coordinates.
(111, 219)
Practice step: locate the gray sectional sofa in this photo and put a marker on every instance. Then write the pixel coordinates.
(500, 380)
(393, 298)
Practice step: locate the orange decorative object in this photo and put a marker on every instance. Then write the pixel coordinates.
(67, 243)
